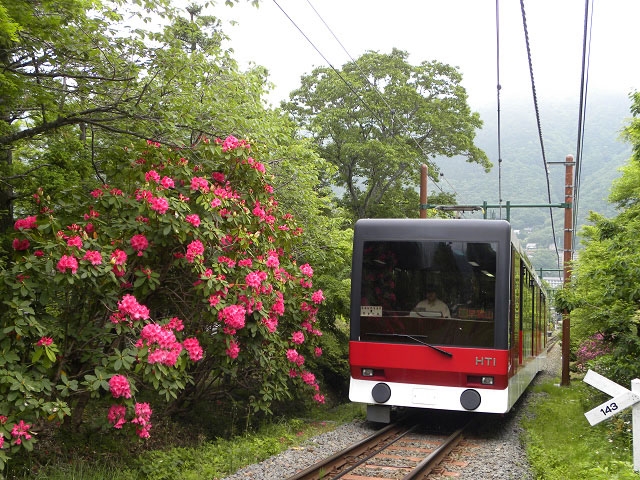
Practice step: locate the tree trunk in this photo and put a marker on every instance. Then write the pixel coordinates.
(6, 192)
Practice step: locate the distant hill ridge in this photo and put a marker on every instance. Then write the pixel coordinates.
(522, 173)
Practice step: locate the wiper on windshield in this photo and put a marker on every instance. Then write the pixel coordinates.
(412, 337)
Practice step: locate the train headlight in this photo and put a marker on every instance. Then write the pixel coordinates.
(367, 372)
(487, 381)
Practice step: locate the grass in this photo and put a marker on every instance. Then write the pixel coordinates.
(210, 460)
(561, 445)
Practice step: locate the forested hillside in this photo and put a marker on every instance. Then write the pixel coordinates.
(522, 173)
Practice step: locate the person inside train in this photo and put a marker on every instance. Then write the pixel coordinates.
(432, 305)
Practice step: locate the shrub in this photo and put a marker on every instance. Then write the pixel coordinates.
(177, 274)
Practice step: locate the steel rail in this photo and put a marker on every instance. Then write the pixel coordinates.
(434, 458)
(332, 466)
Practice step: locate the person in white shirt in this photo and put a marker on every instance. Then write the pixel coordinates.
(432, 305)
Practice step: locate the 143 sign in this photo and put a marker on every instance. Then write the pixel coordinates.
(622, 398)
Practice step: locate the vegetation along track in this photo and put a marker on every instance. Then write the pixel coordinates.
(408, 449)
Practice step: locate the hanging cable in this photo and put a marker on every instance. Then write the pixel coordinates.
(346, 82)
(498, 88)
(584, 83)
(374, 89)
(537, 111)
(337, 72)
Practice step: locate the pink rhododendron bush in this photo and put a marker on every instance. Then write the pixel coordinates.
(177, 275)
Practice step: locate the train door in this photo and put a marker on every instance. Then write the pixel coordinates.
(515, 320)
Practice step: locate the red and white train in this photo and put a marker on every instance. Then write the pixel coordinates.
(480, 353)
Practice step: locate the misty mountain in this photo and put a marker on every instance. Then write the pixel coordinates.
(521, 179)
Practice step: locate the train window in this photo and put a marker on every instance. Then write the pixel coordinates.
(439, 292)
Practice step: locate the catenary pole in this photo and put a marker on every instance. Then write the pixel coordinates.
(423, 191)
(567, 257)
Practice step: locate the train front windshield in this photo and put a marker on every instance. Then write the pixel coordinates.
(435, 292)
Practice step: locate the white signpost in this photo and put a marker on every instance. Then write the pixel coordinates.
(622, 399)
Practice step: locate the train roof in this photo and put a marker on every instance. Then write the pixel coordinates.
(433, 228)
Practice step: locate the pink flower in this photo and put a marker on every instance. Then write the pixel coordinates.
(25, 223)
(159, 204)
(297, 337)
(119, 386)
(175, 324)
(93, 256)
(308, 378)
(233, 350)
(116, 415)
(258, 211)
(20, 244)
(19, 431)
(194, 249)
(142, 419)
(292, 355)
(199, 183)
(216, 202)
(165, 356)
(278, 306)
(74, 241)
(163, 346)
(230, 143)
(139, 242)
(152, 175)
(318, 351)
(118, 257)
(130, 306)
(273, 261)
(119, 271)
(67, 262)
(318, 398)
(193, 220)
(167, 182)
(233, 316)
(253, 280)
(38, 253)
(154, 333)
(218, 177)
(45, 342)
(192, 346)
(306, 270)
(317, 297)
(271, 323)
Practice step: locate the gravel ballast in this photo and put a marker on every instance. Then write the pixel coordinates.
(501, 455)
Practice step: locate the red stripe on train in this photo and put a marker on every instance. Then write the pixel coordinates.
(420, 364)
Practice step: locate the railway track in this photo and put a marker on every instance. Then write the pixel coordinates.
(404, 450)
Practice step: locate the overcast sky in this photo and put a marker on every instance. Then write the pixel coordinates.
(461, 33)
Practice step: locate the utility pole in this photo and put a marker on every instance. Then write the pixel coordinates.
(423, 190)
(568, 251)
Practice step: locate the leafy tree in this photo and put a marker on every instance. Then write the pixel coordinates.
(76, 79)
(605, 290)
(65, 124)
(184, 257)
(378, 119)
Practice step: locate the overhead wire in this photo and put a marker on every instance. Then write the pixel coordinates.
(499, 123)
(346, 82)
(373, 88)
(538, 122)
(337, 72)
(584, 83)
